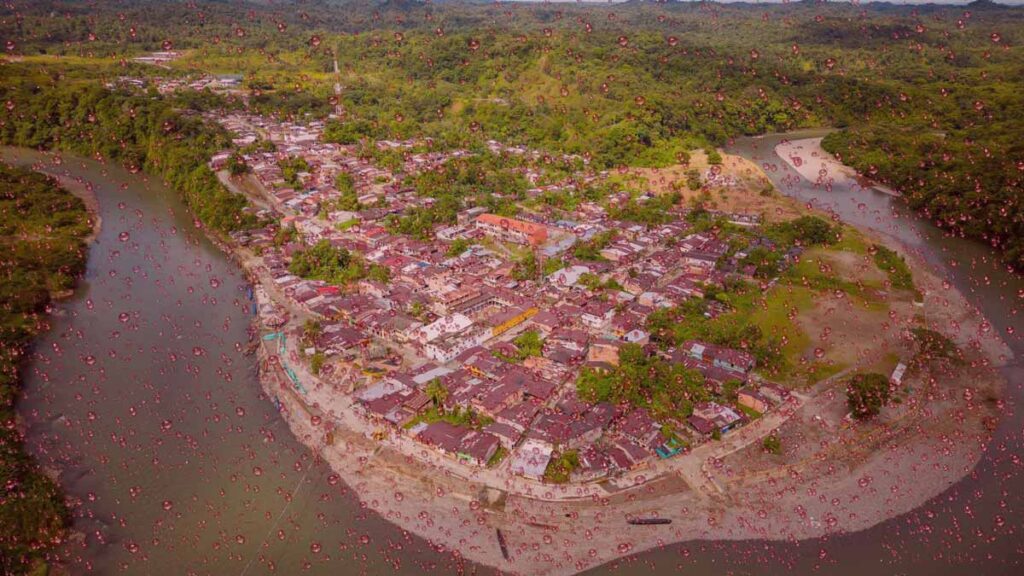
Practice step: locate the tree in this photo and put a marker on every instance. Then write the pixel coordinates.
(437, 393)
(291, 167)
(350, 132)
(765, 262)
(526, 269)
(348, 199)
(529, 343)
(311, 330)
(322, 261)
(772, 444)
(693, 181)
(237, 165)
(458, 246)
(316, 362)
(379, 273)
(552, 265)
(867, 393)
(805, 230)
(560, 469)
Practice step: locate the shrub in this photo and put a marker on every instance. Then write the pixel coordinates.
(867, 393)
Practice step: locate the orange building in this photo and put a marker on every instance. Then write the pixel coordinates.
(512, 230)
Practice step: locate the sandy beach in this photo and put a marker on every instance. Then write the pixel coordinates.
(814, 163)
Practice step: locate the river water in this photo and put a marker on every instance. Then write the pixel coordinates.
(141, 395)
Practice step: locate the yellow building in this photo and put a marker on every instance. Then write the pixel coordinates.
(509, 319)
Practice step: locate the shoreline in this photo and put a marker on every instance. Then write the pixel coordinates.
(82, 190)
(816, 165)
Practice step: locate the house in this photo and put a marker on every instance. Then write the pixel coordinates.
(752, 399)
(640, 427)
(626, 454)
(734, 360)
(597, 314)
(606, 351)
(386, 401)
(546, 321)
(710, 416)
(574, 340)
(339, 339)
(450, 346)
(591, 426)
(478, 447)
(594, 463)
(512, 230)
(519, 416)
(509, 436)
(775, 393)
(531, 459)
(508, 319)
(463, 443)
(442, 326)
(726, 358)
(567, 277)
(897, 374)
(547, 369)
(497, 396)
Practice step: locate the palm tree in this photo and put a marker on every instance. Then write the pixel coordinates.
(437, 393)
(311, 330)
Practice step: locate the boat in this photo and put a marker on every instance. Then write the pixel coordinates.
(648, 521)
(502, 544)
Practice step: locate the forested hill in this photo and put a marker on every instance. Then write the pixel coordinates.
(928, 95)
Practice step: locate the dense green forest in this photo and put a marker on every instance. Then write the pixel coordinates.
(46, 109)
(928, 96)
(42, 233)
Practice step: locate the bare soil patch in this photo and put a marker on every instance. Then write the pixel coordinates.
(743, 197)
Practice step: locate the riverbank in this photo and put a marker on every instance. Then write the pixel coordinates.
(815, 164)
(46, 231)
(80, 188)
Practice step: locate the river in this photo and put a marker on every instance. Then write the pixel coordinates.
(141, 395)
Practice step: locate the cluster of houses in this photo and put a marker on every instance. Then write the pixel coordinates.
(220, 83)
(453, 319)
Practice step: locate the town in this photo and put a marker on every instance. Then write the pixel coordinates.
(474, 339)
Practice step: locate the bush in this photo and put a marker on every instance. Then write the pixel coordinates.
(805, 230)
(867, 393)
(693, 181)
(316, 362)
(895, 267)
(560, 469)
(772, 444)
